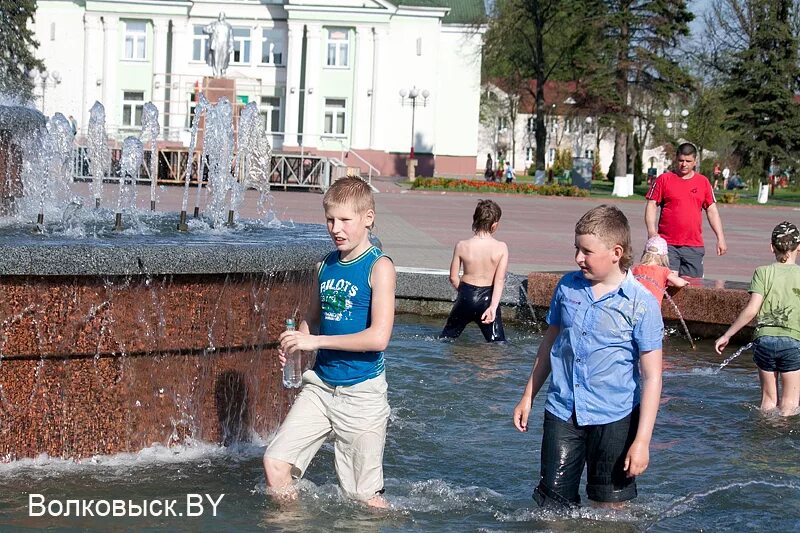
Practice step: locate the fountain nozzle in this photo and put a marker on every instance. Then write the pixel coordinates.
(230, 223)
(152, 205)
(196, 211)
(182, 225)
(39, 227)
(97, 203)
(118, 222)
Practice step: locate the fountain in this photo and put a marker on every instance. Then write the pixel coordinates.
(114, 340)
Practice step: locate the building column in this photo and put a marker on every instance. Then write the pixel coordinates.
(361, 112)
(382, 92)
(158, 97)
(92, 44)
(294, 66)
(311, 116)
(179, 85)
(111, 49)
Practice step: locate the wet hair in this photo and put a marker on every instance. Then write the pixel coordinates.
(687, 149)
(487, 212)
(651, 258)
(351, 191)
(785, 239)
(610, 225)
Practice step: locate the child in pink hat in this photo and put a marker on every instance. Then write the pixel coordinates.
(653, 271)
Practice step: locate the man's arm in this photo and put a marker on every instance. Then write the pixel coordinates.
(539, 373)
(715, 222)
(497, 286)
(373, 339)
(638, 457)
(650, 216)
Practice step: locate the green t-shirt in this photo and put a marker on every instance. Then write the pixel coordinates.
(779, 284)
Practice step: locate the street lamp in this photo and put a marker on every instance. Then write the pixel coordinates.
(43, 77)
(412, 95)
(673, 126)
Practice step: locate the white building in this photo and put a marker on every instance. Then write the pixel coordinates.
(326, 74)
(569, 128)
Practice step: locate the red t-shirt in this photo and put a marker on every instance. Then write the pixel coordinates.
(648, 274)
(681, 201)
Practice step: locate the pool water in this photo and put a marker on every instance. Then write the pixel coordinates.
(454, 461)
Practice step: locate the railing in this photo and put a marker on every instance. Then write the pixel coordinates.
(344, 150)
(287, 170)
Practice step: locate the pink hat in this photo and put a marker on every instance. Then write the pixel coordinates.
(656, 245)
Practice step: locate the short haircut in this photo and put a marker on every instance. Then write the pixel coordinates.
(610, 225)
(687, 149)
(487, 212)
(352, 191)
(785, 239)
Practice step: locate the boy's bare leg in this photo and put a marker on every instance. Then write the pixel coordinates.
(279, 479)
(790, 393)
(769, 389)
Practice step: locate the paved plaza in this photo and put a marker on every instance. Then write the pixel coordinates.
(419, 228)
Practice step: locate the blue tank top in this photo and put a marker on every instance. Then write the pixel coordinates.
(345, 296)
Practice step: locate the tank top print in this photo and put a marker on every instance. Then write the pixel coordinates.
(345, 296)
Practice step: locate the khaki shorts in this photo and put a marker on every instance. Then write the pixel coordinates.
(355, 416)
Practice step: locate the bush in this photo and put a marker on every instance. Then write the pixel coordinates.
(458, 185)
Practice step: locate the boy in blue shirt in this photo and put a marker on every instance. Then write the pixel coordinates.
(350, 323)
(605, 330)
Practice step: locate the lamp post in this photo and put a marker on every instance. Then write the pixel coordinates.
(673, 125)
(411, 96)
(43, 77)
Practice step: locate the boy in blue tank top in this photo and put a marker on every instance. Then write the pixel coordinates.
(349, 323)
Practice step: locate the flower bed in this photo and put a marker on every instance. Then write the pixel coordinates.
(450, 184)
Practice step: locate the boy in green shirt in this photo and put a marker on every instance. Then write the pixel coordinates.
(775, 299)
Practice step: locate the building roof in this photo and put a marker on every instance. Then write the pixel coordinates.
(461, 11)
(558, 95)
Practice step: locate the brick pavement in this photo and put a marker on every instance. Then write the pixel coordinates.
(419, 228)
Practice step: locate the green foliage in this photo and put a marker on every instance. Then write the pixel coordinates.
(562, 161)
(759, 92)
(597, 172)
(16, 54)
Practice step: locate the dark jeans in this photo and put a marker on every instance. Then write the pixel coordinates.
(567, 447)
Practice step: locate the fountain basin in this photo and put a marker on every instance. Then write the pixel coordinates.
(112, 345)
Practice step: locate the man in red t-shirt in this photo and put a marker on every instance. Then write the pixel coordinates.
(682, 195)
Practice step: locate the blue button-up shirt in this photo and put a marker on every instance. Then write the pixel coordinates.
(595, 358)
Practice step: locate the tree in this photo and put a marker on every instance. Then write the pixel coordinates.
(538, 40)
(16, 53)
(642, 38)
(750, 51)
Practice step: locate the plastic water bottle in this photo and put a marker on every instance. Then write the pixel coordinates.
(293, 369)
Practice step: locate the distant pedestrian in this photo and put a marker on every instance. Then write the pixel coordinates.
(509, 172)
(488, 173)
(717, 174)
(726, 174)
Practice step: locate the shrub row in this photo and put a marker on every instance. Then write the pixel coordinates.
(451, 184)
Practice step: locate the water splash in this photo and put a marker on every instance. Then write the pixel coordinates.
(99, 155)
(150, 129)
(736, 354)
(132, 155)
(218, 145)
(671, 301)
(199, 110)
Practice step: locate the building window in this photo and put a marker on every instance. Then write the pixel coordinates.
(241, 46)
(529, 153)
(199, 43)
(338, 47)
(531, 124)
(132, 105)
(271, 112)
(271, 47)
(52, 31)
(502, 123)
(335, 115)
(135, 39)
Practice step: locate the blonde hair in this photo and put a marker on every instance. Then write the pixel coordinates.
(610, 225)
(652, 258)
(350, 191)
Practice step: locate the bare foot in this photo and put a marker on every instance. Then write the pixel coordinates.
(283, 495)
(378, 502)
